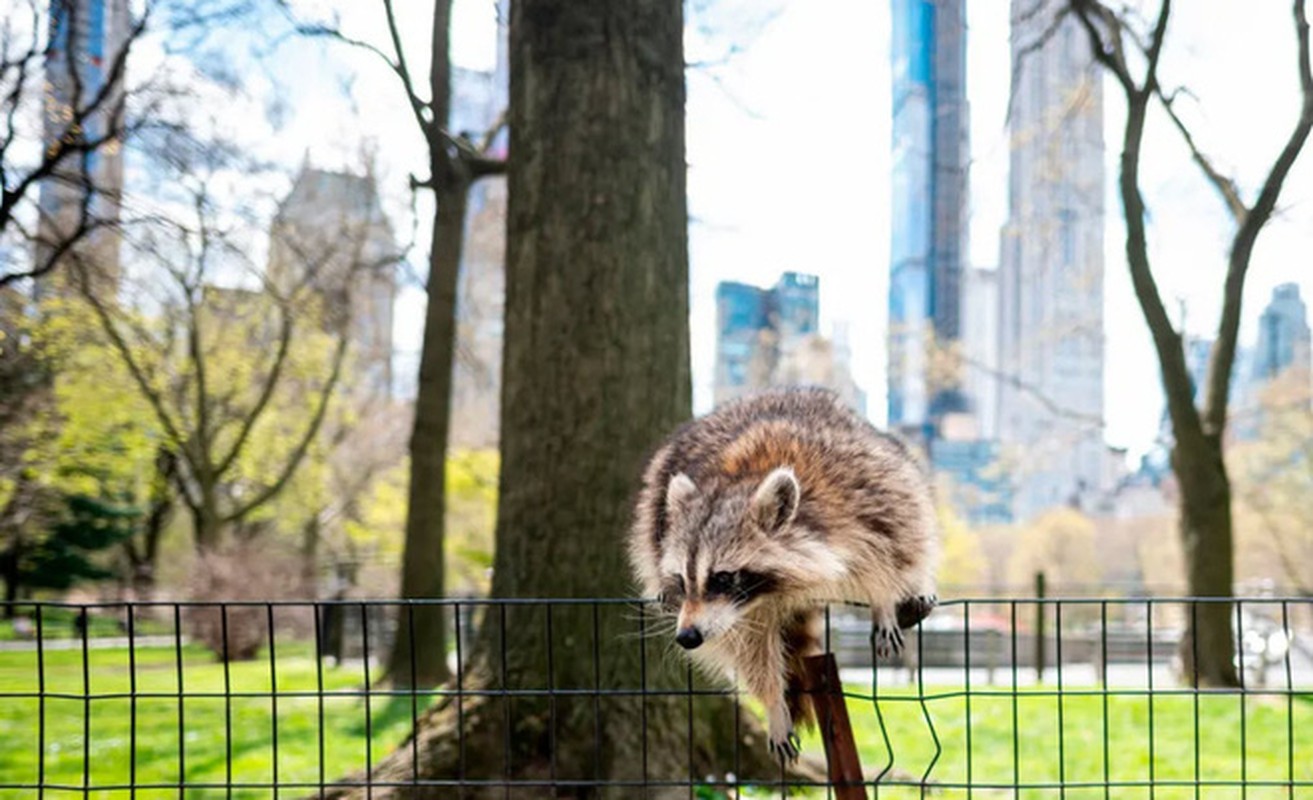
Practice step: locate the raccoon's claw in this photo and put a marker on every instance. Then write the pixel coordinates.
(913, 610)
(888, 641)
(787, 749)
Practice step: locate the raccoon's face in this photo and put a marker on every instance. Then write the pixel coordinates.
(724, 554)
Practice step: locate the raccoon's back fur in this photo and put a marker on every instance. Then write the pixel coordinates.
(750, 517)
(864, 495)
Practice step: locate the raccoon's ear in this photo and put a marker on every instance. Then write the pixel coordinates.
(776, 501)
(681, 488)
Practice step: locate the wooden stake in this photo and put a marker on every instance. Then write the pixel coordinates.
(826, 692)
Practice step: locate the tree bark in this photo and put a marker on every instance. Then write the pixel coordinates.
(1207, 650)
(596, 372)
(423, 561)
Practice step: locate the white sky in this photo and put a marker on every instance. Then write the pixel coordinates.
(788, 149)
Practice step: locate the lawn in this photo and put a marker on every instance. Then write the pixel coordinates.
(204, 757)
(1079, 755)
(1039, 755)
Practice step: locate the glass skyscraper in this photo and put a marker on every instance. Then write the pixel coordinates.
(928, 235)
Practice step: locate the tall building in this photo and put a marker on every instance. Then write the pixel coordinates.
(770, 337)
(980, 347)
(1283, 334)
(754, 326)
(1051, 264)
(88, 40)
(929, 203)
(331, 232)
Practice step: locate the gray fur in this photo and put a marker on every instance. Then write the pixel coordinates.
(799, 501)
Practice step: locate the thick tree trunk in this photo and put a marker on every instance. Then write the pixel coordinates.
(1209, 646)
(423, 562)
(207, 528)
(596, 372)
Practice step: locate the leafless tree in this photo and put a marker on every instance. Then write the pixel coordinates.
(1130, 51)
(79, 119)
(455, 163)
(226, 368)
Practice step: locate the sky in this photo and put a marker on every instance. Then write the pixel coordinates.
(789, 160)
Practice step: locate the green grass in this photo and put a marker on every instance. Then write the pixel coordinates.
(60, 623)
(204, 723)
(206, 742)
(1079, 755)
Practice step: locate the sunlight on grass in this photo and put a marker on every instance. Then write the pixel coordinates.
(1078, 740)
(222, 739)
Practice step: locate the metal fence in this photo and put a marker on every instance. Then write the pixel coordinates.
(994, 698)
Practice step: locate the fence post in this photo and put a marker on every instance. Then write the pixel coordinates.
(826, 693)
(1039, 627)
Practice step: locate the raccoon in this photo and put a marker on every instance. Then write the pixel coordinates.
(750, 518)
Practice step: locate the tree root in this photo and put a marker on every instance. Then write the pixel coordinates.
(570, 746)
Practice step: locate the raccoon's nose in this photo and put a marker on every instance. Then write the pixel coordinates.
(689, 638)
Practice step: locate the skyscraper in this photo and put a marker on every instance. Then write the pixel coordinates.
(755, 327)
(770, 337)
(1051, 264)
(331, 232)
(88, 41)
(1283, 334)
(930, 159)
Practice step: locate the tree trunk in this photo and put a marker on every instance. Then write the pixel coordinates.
(423, 560)
(9, 561)
(310, 557)
(207, 528)
(596, 372)
(1208, 648)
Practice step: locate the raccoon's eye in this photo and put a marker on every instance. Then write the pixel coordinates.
(672, 593)
(721, 582)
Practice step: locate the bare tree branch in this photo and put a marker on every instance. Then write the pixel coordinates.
(298, 454)
(1224, 185)
(1223, 357)
(71, 141)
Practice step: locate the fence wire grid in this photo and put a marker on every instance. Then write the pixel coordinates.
(993, 698)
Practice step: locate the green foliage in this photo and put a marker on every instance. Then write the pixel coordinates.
(471, 519)
(88, 457)
(64, 557)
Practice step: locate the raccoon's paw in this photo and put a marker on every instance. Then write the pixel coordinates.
(913, 610)
(782, 741)
(786, 749)
(888, 641)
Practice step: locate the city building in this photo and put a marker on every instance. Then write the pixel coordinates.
(980, 347)
(1283, 334)
(929, 205)
(770, 337)
(752, 325)
(88, 39)
(977, 484)
(330, 232)
(1050, 281)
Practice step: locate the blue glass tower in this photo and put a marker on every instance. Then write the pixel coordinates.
(929, 181)
(745, 314)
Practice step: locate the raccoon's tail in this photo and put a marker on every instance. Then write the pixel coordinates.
(801, 639)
